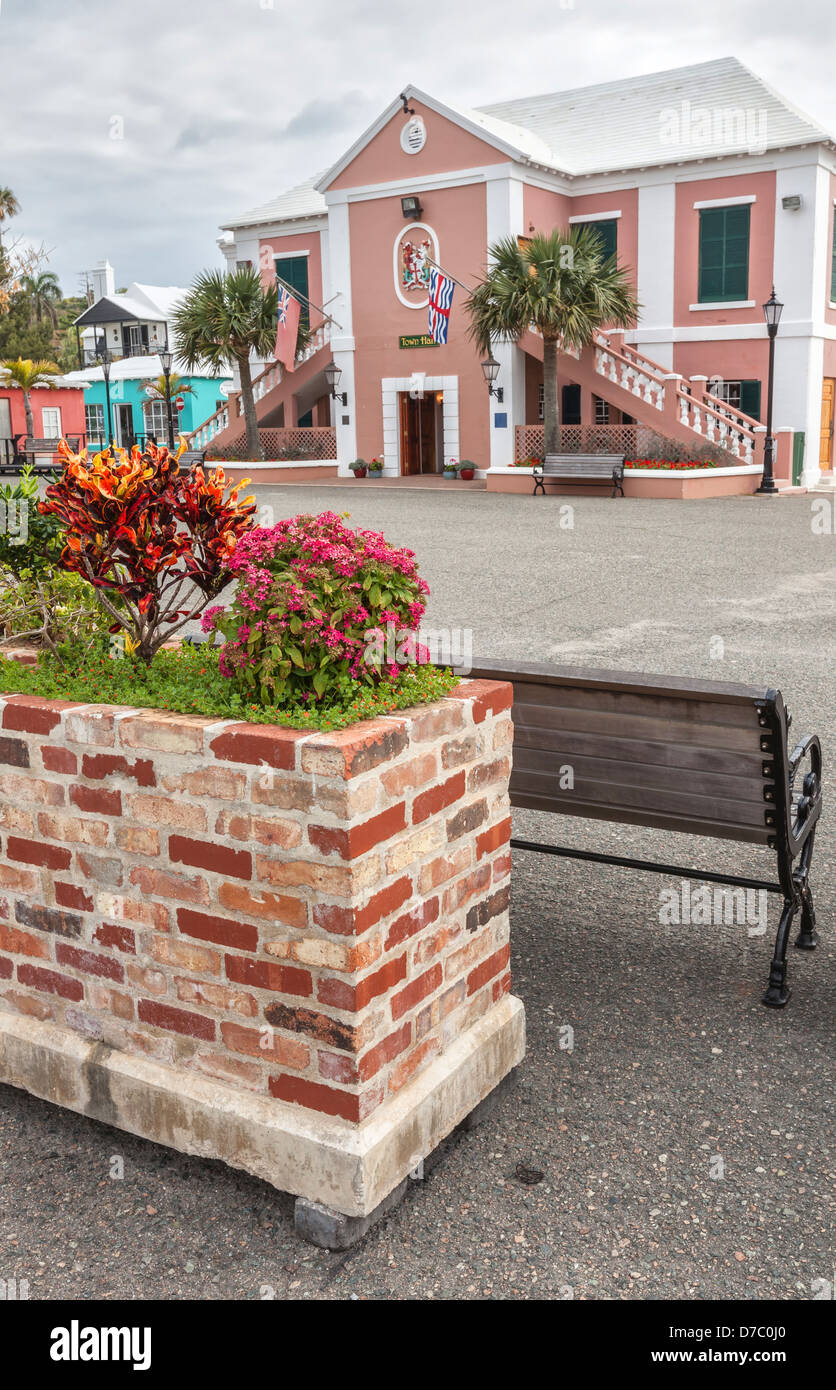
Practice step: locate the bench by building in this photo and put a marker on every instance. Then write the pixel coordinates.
(580, 468)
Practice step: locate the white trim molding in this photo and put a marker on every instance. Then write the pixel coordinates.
(727, 304)
(390, 388)
(595, 216)
(289, 255)
(727, 202)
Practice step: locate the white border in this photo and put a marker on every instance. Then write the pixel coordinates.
(390, 387)
(723, 304)
(595, 217)
(739, 201)
(424, 226)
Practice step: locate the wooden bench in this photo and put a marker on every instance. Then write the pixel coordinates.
(580, 468)
(698, 757)
(190, 457)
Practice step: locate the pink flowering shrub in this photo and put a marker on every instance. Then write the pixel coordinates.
(319, 608)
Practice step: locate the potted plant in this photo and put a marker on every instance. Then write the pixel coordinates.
(451, 468)
(376, 466)
(358, 468)
(467, 469)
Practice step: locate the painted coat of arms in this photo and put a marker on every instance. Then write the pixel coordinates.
(415, 266)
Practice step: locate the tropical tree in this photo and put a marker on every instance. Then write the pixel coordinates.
(9, 206)
(221, 321)
(560, 285)
(27, 375)
(43, 292)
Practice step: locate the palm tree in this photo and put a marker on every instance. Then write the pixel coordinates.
(9, 206)
(179, 386)
(222, 320)
(44, 294)
(559, 284)
(28, 375)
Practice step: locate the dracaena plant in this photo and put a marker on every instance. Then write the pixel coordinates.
(154, 542)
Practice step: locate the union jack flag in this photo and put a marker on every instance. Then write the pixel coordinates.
(441, 299)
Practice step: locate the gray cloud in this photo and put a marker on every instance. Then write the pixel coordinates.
(148, 125)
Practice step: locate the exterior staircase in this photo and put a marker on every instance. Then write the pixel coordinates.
(273, 391)
(656, 398)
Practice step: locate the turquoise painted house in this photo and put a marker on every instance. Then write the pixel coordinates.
(131, 328)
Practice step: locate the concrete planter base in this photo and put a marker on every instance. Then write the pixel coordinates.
(351, 1168)
(676, 483)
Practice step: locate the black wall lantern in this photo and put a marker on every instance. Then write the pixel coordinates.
(490, 371)
(411, 206)
(332, 376)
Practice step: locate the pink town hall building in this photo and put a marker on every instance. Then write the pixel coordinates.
(708, 185)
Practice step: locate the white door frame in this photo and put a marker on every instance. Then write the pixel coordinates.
(391, 388)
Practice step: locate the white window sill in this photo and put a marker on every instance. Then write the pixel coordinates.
(728, 304)
(741, 200)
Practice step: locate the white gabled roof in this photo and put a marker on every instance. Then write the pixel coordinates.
(152, 303)
(622, 125)
(138, 369)
(610, 127)
(300, 202)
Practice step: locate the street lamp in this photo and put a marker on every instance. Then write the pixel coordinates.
(105, 362)
(332, 376)
(772, 310)
(166, 360)
(490, 371)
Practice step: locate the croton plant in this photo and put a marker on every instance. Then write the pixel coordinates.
(154, 542)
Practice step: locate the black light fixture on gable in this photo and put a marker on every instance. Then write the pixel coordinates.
(411, 206)
(772, 310)
(332, 376)
(490, 371)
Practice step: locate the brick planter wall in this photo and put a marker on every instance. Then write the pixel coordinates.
(284, 949)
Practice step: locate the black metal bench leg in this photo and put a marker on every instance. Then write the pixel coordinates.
(808, 938)
(777, 994)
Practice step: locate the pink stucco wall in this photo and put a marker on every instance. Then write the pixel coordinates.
(761, 245)
(296, 244)
(448, 147)
(458, 218)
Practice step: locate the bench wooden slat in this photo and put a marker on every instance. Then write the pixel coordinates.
(664, 755)
(533, 673)
(703, 782)
(709, 829)
(691, 709)
(554, 720)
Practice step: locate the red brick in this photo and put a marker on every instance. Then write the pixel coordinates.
(135, 840)
(225, 931)
(501, 987)
(97, 766)
(353, 998)
(117, 938)
(20, 880)
(278, 908)
(67, 895)
(31, 789)
(440, 870)
(314, 1096)
(28, 852)
(430, 802)
(165, 732)
(381, 904)
(267, 745)
(163, 885)
(268, 974)
(418, 772)
(89, 962)
(484, 773)
(464, 889)
(101, 803)
(415, 991)
(205, 854)
(6, 969)
(491, 839)
(168, 811)
(321, 1027)
(48, 919)
(176, 1020)
(107, 872)
(356, 750)
(385, 1051)
(485, 697)
(331, 918)
(469, 818)
(218, 783)
(14, 752)
(501, 867)
(411, 922)
(488, 968)
(154, 981)
(56, 759)
(73, 830)
(33, 715)
(335, 1066)
(359, 839)
(91, 724)
(405, 1070)
(285, 1052)
(442, 718)
(20, 943)
(26, 1004)
(50, 982)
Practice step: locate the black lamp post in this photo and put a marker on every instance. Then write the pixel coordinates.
(772, 310)
(332, 376)
(490, 371)
(105, 361)
(166, 359)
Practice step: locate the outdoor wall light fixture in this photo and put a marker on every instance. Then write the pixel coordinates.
(332, 376)
(166, 362)
(490, 371)
(411, 206)
(791, 203)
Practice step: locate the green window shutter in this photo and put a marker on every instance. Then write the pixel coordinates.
(833, 262)
(750, 398)
(570, 405)
(608, 233)
(724, 254)
(294, 271)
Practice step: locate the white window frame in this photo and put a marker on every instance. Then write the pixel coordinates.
(47, 410)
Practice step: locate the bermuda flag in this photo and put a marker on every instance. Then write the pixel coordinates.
(287, 329)
(441, 298)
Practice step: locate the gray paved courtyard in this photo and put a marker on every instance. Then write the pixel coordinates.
(675, 1061)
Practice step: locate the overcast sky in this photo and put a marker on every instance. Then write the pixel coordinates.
(221, 104)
